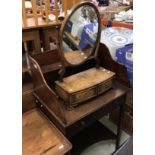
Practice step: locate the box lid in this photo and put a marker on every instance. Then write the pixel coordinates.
(85, 79)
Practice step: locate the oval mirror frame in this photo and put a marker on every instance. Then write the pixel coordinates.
(94, 49)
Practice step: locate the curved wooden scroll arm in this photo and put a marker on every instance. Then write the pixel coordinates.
(44, 93)
(107, 62)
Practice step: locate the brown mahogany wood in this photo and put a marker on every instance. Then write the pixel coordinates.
(107, 62)
(47, 58)
(86, 114)
(41, 137)
(50, 65)
(50, 61)
(42, 88)
(28, 100)
(83, 86)
(27, 93)
(33, 36)
(71, 122)
(48, 34)
(83, 115)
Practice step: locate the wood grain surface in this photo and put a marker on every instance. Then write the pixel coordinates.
(40, 137)
(85, 79)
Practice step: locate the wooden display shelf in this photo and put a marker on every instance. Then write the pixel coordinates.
(37, 10)
(41, 23)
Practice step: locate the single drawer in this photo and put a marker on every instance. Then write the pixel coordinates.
(82, 95)
(104, 86)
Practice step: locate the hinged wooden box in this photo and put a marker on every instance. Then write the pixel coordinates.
(84, 85)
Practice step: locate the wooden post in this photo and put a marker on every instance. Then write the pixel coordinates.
(46, 11)
(41, 7)
(34, 8)
(73, 3)
(64, 6)
(48, 4)
(24, 13)
(56, 6)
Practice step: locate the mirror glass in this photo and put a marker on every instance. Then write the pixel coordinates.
(80, 34)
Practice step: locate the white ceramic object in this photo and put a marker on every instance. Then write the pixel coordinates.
(28, 5)
(116, 37)
(105, 147)
(51, 17)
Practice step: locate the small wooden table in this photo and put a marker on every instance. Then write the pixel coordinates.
(85, 114)
(72, 122)
(40, 136)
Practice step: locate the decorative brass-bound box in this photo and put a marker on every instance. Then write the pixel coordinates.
(84, 85)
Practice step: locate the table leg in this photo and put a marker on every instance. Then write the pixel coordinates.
(119, 124)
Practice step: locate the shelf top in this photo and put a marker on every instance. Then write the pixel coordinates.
(41, 23)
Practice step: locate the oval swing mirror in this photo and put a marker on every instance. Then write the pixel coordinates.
(80, 34)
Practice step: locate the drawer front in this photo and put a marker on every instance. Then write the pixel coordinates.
(83, 95)
(104, 86)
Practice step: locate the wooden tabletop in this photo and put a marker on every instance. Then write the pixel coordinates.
(40, 136)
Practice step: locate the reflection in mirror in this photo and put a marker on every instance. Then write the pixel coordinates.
(80, 35)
